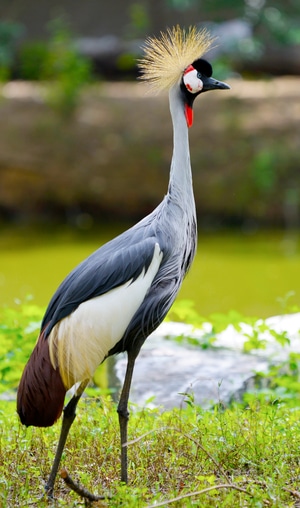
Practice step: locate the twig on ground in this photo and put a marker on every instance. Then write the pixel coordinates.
(293, 492)
(81, 491)
(200, 492)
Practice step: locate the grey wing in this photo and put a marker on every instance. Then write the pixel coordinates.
(109, 267)
(155, 306)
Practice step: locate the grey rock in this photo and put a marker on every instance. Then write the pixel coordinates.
(167, 373)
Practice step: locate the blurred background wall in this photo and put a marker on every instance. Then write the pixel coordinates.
(79, 136)
(83, 145)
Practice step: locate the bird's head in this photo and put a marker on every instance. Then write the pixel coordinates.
(175, 59)
(197, 78)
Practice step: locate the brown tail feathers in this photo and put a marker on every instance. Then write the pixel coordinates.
(41, 391)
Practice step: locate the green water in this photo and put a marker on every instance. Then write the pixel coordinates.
(246, 272)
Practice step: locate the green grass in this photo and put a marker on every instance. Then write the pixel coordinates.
(247, 457)
(243, 455)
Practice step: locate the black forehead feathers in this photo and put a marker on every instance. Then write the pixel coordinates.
(203, 66)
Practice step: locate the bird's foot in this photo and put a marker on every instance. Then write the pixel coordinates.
(45, 497)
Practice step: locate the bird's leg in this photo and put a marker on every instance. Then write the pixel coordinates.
(68, 418)
(124, 413)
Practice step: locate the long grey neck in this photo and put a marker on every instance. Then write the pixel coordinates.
(180, 184)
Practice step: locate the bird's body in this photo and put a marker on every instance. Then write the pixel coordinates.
(116, 297)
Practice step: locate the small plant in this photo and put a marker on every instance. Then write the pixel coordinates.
(19, 328)
(191, 457)
(282, 380)
(139, 21)
(9, 34)
(58, 62)
(67, 71)
(244, 455)
(32, 58)
(18, 332)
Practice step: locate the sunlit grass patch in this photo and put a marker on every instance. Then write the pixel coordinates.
(240, 456)
(243, 455)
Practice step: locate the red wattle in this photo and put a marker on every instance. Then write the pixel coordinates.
(188, 115)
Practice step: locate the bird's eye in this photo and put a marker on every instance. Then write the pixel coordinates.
(199, 75)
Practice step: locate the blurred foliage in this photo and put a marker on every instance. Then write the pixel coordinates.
(59, 62)
(32, 58)
(126, 62)
(271, 20)
(264, 169)
(271, 24)
(139, 21)
(9, 34)
(19, 328)
(268, 23)
(281, 381)
(65, 68)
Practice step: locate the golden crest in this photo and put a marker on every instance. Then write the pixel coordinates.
(167, 57)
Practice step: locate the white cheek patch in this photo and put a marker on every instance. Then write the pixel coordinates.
(192, 82)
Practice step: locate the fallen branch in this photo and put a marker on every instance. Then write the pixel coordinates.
(200, 492)
(81, 491)
(293, 492)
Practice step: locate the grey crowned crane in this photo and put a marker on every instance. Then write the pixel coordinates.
(115, 298)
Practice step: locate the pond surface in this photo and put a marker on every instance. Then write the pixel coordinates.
(251, 273)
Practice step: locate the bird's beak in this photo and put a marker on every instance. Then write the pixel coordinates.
(213, 84)
(208, 84)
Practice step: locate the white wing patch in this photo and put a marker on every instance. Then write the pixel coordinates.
(81, 341)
